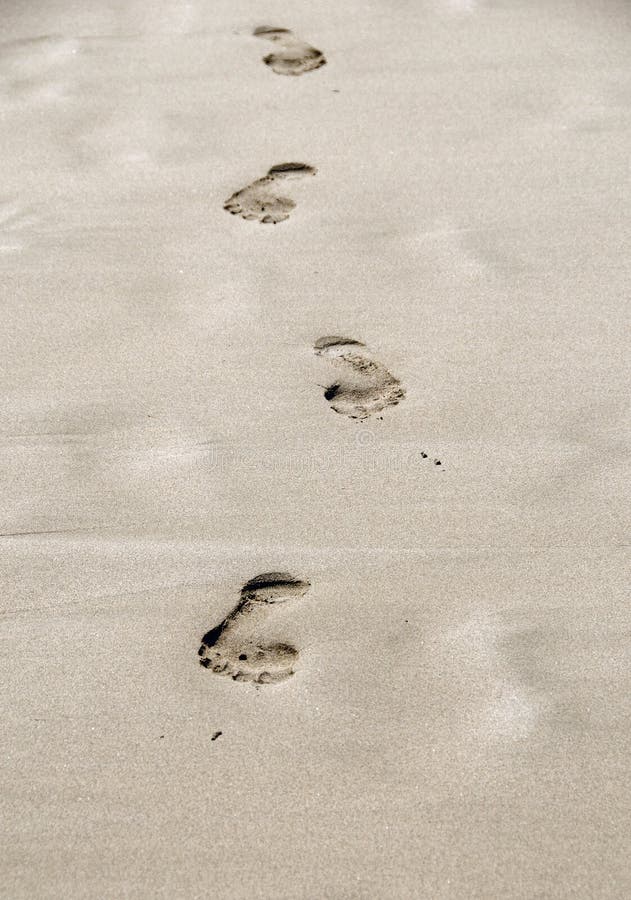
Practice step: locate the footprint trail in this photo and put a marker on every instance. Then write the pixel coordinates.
(366, 387)
(261, 200)
(292, 56)
(231, 648)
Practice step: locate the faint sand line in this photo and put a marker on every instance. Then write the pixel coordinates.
(162, 542)
(52, 531)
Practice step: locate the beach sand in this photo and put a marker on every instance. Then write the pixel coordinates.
(458, 722)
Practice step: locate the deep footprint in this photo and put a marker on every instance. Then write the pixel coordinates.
(260, 199)
(231, 648)
(292, 56)
(367, 386)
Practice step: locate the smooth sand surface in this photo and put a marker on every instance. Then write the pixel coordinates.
(458, 725)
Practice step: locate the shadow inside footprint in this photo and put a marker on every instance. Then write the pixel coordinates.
(291, 56)
(367, 386)
(231, 648)
(261, 200)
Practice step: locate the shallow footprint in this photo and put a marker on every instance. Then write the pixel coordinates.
(260, 200)
(231, 648)
(292, 56)
(367, 386)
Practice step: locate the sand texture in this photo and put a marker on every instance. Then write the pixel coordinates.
(315, 371)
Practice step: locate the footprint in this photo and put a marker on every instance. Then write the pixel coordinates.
(231, 648)
(367, 387)
(293, 56)
(259, 200)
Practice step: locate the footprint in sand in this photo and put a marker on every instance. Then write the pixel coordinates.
(260, 199)
(292, 56)
(367, 386)
(232, 648)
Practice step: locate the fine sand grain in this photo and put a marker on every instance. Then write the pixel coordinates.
(430, 587)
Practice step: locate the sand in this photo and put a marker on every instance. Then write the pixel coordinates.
(458, 722)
